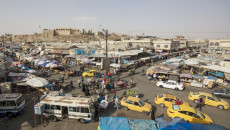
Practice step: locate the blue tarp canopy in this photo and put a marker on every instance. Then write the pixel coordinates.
(114, 123)
(218, 74)
(143, 124)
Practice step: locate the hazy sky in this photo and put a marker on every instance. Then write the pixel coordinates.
(164, 18)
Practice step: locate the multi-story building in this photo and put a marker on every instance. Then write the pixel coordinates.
(219, 46)
(182, 40)
(165, 45)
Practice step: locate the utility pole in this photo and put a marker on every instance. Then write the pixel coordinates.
(106, 42)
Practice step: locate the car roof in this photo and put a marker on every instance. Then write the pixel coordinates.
(172, 81)
(133, 98)
(204, 93)
(185, 108)
(169, 96)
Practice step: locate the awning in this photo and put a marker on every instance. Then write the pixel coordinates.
(56, 52)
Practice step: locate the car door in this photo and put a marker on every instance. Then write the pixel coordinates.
(137, 107)
(211, 101)
(167, 101)
(129, 104)
(168, 85)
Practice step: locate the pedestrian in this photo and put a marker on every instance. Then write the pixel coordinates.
(43, 72)
(154, 77)
(71, 84)
(149, 76)
(117, 102)
(131, 81)
(115, 86)
(114, 95)
(106, 97)
(48, 72)
(200, 102)
(79, 83)
(62, 92)
(62, 79)
(6, 121)
(125, 85)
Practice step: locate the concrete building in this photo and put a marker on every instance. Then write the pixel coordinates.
(47, 33)
(2, 68)
(165, 45)
(183, 41)
(66, 31)
(221, 46)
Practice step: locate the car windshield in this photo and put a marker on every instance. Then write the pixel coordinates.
(142, 103)
(216, 98)
(200, 114)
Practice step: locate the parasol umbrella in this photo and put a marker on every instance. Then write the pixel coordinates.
(37, 82)
(53, 66)
(49, 64)
(41, 62)
(44, 64)
(104, 104)
(55, 61)
(31, 71)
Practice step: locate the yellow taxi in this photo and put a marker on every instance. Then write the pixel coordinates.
(166, 100)
(89, 73)
(189, 114)
(209, 99)
(136, 104)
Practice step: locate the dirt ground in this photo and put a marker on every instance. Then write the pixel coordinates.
(147, 91)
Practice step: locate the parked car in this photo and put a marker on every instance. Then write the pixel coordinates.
(189, 114)
(209, 99)
(90, 73)
(224, 93)
(136, 104)
(166, 100)
(170, 84)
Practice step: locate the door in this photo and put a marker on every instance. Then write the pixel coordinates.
(137, 107)
(168, 85)
(211, 101)
(65, 112)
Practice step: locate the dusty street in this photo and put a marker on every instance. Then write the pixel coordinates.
(147, 91)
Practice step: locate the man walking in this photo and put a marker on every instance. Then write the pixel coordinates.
(117, 102)
(200, 102)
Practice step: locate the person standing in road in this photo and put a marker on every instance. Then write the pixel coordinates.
(117, 102)
(71, 84)
(200, 102)
(79, 83)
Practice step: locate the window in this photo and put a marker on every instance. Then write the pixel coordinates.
(168, 99)
(169, 83)
(184, 112)
(136, 104)
(129, 102)
(55, 107)
(195, 93)
(11, 103)
(166, 46)
(142, 103)
(72, 109)
(203, 96)
(2, 103)
(210, 98)
(19, 101)
(193, 115)
(47, 106)
(84, 110)
(78, 109)
(159, 46)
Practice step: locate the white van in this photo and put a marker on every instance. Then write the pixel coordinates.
(11, 104)
(60, 107)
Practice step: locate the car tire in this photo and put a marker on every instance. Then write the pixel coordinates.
(177, 89)
(195, 101)
(126, 108)
(162, 105)
(161, 86)
(221, 107)
(53, 118)
(82, 121)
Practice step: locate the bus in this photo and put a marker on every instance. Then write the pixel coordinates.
(60, 107)
(11, 104)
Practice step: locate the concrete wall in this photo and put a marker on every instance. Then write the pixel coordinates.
(47, 33)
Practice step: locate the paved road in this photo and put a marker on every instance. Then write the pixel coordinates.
(148, 91)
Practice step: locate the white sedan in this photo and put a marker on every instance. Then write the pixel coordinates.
(170, 84)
